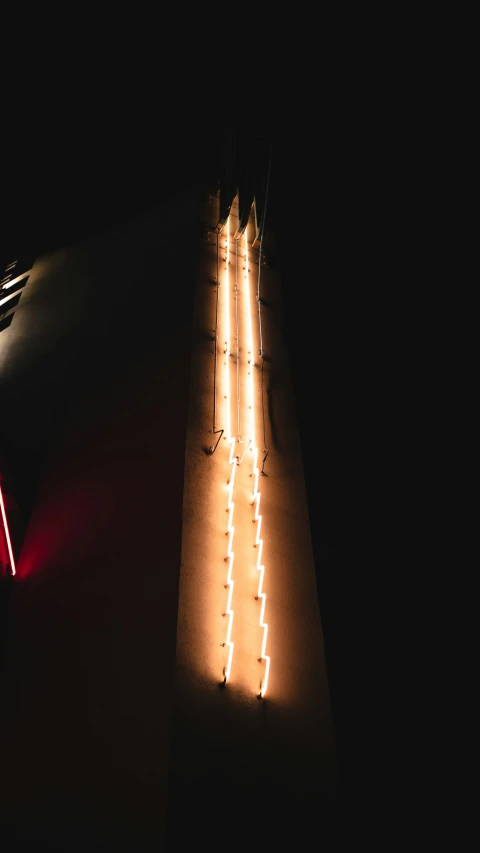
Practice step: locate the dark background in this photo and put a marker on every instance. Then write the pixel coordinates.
(336, 207)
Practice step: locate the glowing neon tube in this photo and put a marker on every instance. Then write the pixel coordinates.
(14, 280)
(230, 584)
(7, 300)
(256, 496)
(233, 462)
(251, 359)
(7, 534)
(227, 336)
(261, 595)
(247, 290)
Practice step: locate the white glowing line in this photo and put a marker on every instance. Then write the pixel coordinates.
(256, 496)
(233, 462)
(247, 290)
(227, 335)
(261, 595)
(231, 483)
(7, 535)
(10, 266)
(7, 299)
(14, 280)
(250, 336)
(230, 557)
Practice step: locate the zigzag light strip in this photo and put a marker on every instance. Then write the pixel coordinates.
(261, 570)
(256, 495)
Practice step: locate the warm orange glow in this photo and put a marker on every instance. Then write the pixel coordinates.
(7, 534)
(261, 571)
(233, 392)
(229, 584)
(256, 494)
(227, 335)
(251, 356)
(233, 462)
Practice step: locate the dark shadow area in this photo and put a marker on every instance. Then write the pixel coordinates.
(23, 263)
(14, 287)
(11, 303)
(4, 324)
(6, 583)
(259, 814)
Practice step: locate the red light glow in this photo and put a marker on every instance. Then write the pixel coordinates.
(7, 534)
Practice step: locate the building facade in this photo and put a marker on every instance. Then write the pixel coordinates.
(164, 671)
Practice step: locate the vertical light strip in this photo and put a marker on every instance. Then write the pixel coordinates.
(14, 280)
(239, 430)
(261, 571)
(233, 462)
(230, 584)
(227, 333)
(251, 360)
(7, 534)
(256, 494)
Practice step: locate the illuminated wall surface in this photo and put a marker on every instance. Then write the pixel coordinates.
(164, 680)
(262, 769)
(7, 558)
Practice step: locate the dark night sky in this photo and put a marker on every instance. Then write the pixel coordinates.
(72, 172)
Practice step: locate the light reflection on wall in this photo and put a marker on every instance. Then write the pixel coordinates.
(232, 461)
(245, 365)
(7, 533)
(256, 494)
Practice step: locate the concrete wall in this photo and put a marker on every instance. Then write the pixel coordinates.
(245, 770)
(115, 733)
(94, 375)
